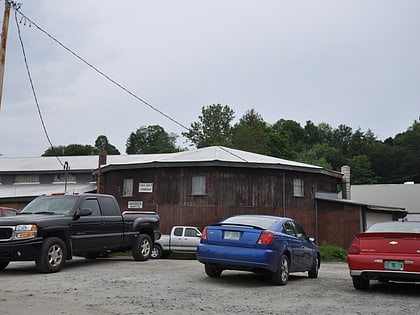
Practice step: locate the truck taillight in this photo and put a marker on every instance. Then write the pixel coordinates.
(265, 238)
(204, 234)
(355, 246)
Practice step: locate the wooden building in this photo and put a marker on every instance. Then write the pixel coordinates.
(201, 187)
(204, 186)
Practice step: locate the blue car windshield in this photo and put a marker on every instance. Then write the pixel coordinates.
(259, 221)
(62, 205)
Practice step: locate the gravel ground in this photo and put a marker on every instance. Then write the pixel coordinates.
(119, 285)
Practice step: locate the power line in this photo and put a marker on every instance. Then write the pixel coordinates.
(32, 23)
(33, 88)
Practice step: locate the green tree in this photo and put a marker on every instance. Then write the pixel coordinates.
(54, 151)
(102, 144)
(71, 149)
(212, 128)
(407, 151)
(151, 139)
(312, 134)
(251, 134)
(341, 138)
(293, 131)
(324, 155)
(361, 170)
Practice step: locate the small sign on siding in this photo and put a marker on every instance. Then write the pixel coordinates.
(135, 204)
(146, 187)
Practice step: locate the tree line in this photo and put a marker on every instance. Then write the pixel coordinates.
(372, 161)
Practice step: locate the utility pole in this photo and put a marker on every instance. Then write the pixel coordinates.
(4, 32)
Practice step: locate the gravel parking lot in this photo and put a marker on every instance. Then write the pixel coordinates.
(119, 285)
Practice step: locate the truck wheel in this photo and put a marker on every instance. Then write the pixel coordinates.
(52, 256)
(3, 265)
(156, 252)
(142, 247)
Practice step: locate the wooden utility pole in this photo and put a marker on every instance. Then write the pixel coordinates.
(4, 32)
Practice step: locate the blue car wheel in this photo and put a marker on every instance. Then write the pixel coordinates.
(212, 270)
(281, 276)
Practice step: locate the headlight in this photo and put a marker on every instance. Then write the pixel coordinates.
(25, 231)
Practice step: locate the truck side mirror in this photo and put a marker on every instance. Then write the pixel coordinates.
(82, 213)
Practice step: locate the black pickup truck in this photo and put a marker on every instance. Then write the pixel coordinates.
(53, 229)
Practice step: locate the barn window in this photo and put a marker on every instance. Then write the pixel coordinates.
(128, 187)
(298, 187)
(198, 185)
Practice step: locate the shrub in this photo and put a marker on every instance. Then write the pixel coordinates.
(332, 253)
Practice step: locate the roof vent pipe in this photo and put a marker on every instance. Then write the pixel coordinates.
(346, 194)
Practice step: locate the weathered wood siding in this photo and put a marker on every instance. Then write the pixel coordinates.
(338, 223)
(229, 191)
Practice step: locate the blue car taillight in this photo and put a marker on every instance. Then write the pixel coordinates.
(265, 238)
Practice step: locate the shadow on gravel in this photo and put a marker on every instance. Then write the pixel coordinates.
(394, 289)
(25, 268)
(231, 278)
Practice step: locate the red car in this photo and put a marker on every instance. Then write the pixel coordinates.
(7, 212)
(388, 251)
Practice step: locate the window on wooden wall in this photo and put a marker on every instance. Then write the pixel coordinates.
(298, 190)
(198, 185)
(128, 187)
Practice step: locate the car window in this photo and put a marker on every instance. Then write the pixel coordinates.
(289, 228)
(190, 232)
(395, 226)
(93, 205)
(10, 212)
(178, 232)
(300, 232)
(261, 222)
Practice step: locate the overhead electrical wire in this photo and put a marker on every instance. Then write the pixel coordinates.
(32, 23)
(33, 89)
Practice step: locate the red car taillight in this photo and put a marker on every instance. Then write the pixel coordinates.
(204, 234)
(355, 246)
(265, 238)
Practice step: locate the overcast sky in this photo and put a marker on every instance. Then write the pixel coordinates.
(355, 63)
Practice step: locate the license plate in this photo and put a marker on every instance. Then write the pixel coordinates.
(232, 235)
(393, 265)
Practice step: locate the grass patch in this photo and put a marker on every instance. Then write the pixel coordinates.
(332, 253)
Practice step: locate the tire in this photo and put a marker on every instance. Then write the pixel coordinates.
(156, 252)
(313, 273)
(360, 283)
(52, 256)
(281, 276)
(3, 265)
(142, 247)
(213, 270)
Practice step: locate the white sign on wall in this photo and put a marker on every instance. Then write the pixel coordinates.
(135, 204)
(146, 187)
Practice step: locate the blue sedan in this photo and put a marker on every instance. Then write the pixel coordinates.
(258, 243)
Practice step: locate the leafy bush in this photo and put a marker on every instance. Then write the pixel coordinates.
(332, 253)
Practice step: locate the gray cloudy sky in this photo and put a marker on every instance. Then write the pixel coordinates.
(341, 62)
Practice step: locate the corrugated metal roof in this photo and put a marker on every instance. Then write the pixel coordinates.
(372, 206)
(33, 190)
(90, 162)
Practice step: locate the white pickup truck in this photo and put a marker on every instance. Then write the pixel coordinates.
(183, 239)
